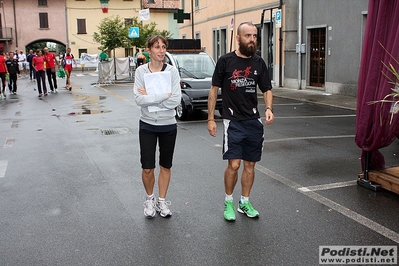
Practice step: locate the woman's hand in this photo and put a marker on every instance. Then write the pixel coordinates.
(142, 91)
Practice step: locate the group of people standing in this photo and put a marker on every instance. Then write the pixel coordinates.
(41, 64)
(44, 64)
(239, 74)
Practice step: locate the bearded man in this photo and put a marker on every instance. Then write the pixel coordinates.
(238, 74)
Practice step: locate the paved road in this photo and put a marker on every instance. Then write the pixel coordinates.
(71, 193)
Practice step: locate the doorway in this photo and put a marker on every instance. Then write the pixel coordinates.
(266, 46)
(317, 57)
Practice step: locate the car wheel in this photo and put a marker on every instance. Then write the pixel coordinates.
(181, 111)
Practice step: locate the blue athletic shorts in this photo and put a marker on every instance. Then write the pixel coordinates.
(243, 140)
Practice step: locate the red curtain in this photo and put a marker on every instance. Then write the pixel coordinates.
(374, 129)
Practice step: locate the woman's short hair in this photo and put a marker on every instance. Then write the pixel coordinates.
(155, 39)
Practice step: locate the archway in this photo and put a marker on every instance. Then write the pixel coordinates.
(54, 46)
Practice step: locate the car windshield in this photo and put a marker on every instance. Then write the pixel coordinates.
(195, 65)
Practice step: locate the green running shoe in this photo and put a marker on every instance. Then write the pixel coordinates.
(229, 213)
(247, 208)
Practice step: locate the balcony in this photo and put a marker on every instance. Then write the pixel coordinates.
(5, 34)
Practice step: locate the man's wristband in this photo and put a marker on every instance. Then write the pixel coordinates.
(211, 120)
(270, 108)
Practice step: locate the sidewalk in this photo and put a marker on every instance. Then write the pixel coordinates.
(336, 100)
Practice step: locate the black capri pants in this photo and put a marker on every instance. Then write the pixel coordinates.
(148, 142)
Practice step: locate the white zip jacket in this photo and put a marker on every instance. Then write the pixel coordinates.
(163, 117)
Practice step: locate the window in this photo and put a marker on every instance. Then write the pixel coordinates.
(129, 52)
(81, 25)
(43, 20)
(196, 4)
(81, 51)
(151, 2)
(128, 22)
(42, 3)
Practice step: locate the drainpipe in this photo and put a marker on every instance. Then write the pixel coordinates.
(15, 23)
(5, 27)
(66, 26)
(280, 78)
(192, 19)
(299, 44)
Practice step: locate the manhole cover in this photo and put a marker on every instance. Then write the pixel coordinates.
(115, 131)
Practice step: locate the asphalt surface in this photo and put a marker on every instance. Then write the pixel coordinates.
(71, 191)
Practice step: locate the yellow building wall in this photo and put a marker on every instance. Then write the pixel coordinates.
(91, 11)
(217, 14)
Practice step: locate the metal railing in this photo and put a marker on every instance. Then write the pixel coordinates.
(5, 34)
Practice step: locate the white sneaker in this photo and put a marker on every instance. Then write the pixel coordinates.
(149, 208)
(162, 207)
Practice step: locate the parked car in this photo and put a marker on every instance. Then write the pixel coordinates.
(196, 69)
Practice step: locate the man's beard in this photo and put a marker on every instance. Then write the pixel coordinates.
(247, 50)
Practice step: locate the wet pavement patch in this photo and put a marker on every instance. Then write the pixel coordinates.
(89, 105)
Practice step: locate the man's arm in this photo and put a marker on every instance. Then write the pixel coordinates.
(212, 98)
(268, 98)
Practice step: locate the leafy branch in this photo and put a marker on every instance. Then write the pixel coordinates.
(394, 80)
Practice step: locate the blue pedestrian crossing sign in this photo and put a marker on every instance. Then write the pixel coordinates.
(278, 18)
(134, 32)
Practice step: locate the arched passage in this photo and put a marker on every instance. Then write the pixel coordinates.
(55, 46)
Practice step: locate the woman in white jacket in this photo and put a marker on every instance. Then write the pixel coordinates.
(157, 124)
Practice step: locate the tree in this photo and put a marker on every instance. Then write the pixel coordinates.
(145, 32)
(35, 46)
(113, 33)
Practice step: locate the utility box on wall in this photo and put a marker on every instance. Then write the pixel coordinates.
(300, 48)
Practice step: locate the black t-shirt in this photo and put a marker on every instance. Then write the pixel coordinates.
(239, 77)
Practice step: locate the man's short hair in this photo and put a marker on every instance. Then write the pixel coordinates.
(244, 23)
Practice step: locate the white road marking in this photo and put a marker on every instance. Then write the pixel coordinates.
(3, 167)
(307, 138)
(372, 225)
(8, 143)
(328, 186)
(314, 116)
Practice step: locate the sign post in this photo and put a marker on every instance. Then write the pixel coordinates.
(134, 32)
(278, 18)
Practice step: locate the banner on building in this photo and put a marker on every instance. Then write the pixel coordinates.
(144, 14)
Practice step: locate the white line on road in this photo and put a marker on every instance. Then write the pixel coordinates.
(328, 186)
(314, 116)
(307, 138)
(8, 143)
(376, 227)
(3, 167)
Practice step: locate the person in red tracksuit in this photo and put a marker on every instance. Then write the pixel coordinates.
(38, 66)
(3, 72)
(51, 63)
